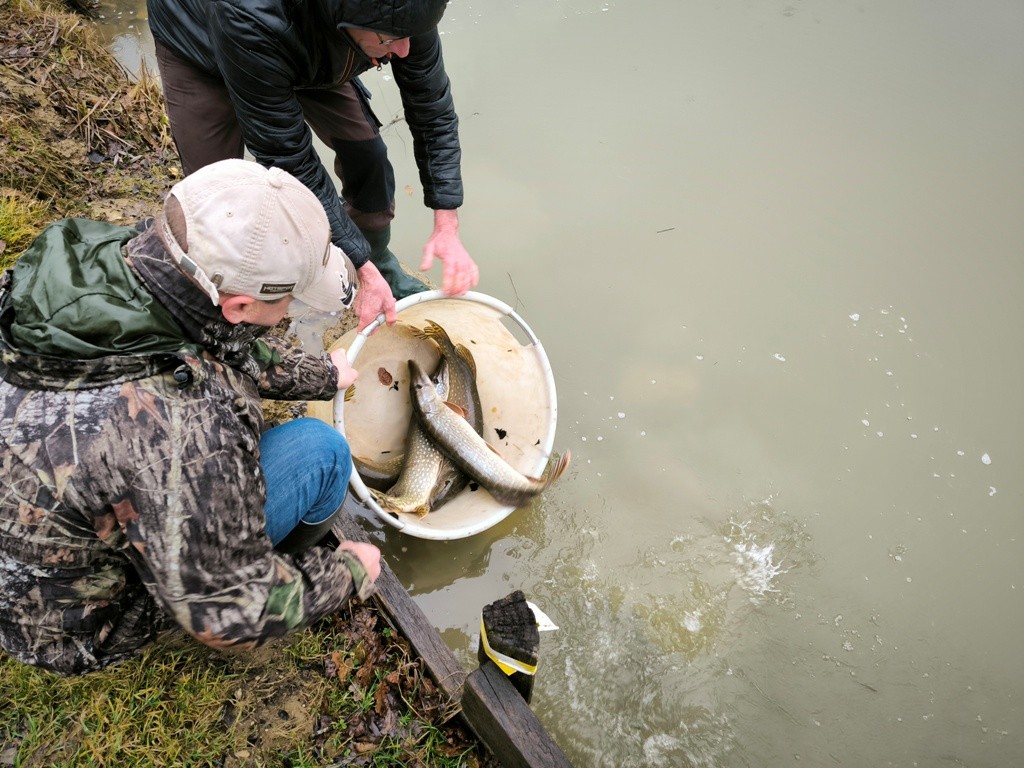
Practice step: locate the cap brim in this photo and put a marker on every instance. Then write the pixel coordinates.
(336, 288)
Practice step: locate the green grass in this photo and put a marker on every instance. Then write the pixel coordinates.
(351, 695)
(165, 708)
(21, 218)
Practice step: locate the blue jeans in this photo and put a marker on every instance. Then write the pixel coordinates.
(306, 464)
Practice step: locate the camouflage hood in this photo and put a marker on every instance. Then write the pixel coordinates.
(59, 311)
(58, 333)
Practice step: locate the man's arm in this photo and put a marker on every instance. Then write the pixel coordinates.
(295, 374)
(430, 113)
(194, 518)
(261, 83)
(299, 375)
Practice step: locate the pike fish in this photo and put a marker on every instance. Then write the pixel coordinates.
(426, 474)
(450, 431)
(460, 370)
(462, 390)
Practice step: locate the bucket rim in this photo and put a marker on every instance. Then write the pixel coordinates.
(407, 524)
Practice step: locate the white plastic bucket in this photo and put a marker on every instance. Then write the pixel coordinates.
(517, 396)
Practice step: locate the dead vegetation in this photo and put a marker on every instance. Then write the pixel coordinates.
(78, 135)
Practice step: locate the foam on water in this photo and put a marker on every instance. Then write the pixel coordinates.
(756, 570)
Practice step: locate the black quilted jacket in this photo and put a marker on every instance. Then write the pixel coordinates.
(265, 49)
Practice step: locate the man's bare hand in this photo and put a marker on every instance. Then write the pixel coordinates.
(366, 553)
(460, 271)
(374, 297)
(346, 373)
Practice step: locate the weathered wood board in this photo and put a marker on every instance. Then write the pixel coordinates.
(491, 705)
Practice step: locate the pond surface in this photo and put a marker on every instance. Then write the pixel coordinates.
(774, 252)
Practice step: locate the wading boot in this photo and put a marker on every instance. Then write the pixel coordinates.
(402, 283)
(306, 535)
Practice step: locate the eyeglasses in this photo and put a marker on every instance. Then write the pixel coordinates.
(386, 42)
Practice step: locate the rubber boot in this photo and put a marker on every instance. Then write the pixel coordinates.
(306, 535)
(402, 283)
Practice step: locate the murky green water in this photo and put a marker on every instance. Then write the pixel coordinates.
(774, 252)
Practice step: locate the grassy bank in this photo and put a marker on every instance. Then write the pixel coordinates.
(80, 137)
(347, 692)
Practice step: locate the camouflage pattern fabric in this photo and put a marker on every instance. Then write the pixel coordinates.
(132, 489)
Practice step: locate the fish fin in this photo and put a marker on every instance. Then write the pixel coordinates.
(421, 510)
(385, 501)
(560, 466)
(432, 331)
(422, 333)
(466, 355)
(458, 409)
(350, 392)
(435, 329)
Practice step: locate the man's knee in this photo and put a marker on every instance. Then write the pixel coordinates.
(336, 454)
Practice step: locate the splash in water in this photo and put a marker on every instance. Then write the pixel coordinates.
(756, 570)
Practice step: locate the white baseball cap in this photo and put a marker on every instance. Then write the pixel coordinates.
(261, 233)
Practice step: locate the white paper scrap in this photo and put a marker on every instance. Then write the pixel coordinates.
(544, 624)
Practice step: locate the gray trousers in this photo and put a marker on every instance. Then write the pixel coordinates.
(206, 129)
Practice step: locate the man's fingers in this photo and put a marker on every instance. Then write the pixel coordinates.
(428, 259)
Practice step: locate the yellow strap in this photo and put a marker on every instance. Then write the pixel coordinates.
(506, 664)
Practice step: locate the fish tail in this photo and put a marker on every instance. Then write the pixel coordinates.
(517, 497)
(379, 475)
(560, 466)
(382, 499)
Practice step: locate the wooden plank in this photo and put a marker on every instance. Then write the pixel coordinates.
(410, 620)
(504, 722)
(491, 705)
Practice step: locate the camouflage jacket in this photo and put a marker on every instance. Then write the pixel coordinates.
(130, 421)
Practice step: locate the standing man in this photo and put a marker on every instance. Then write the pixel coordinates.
(261, 73)
(139, 484)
